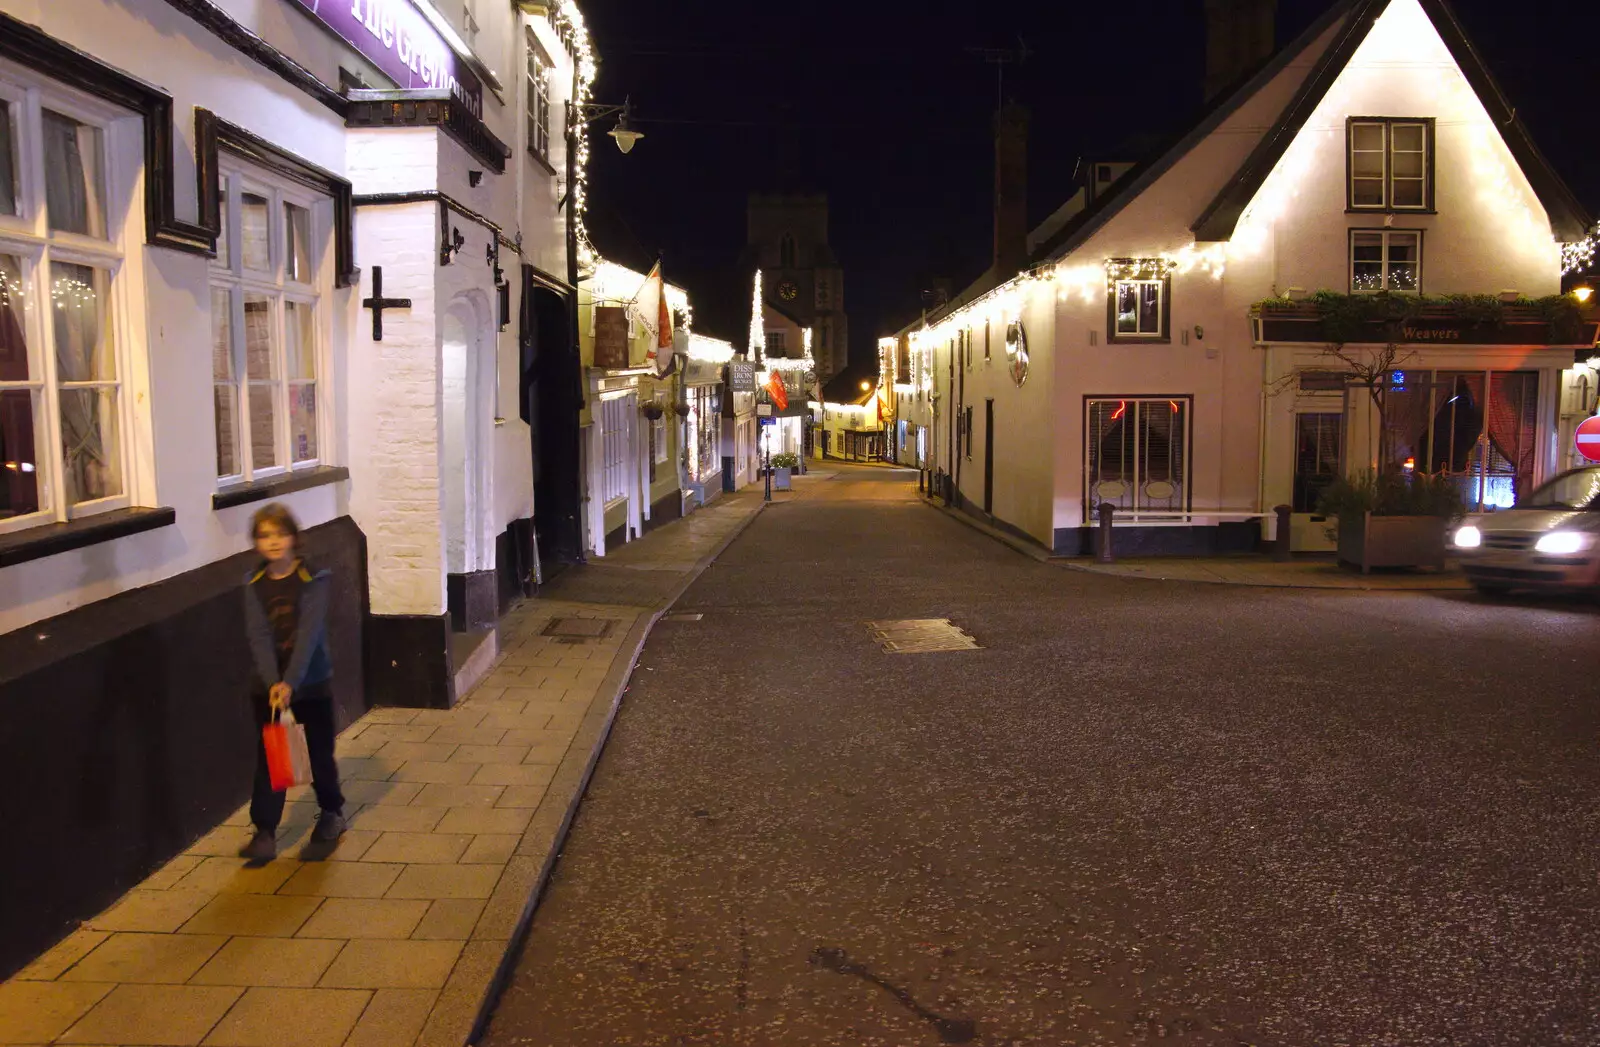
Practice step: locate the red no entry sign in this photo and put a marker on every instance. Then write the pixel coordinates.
(1588, 438)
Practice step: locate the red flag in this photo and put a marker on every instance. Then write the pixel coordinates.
(775, 389)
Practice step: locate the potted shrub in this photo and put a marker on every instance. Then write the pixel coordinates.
(783, 466)
(1391, 519)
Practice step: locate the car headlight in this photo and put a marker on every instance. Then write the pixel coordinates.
(1564, 543)
(1468, 537)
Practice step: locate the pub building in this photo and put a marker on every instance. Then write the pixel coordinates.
(314, 253)
(1164, 345)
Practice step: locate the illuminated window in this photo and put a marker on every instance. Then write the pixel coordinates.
(539, 72)
(266, 327)
(64, 415)
(1139, 310)
(1136, 456)
(1385, 260)
(1391, 164)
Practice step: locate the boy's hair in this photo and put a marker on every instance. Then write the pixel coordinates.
(277, 515)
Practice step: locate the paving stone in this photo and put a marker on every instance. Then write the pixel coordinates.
(380, 964)
(430, 772)
(475, 820)
(399, 733)
(223, 841)
(154, 1014)
(395, 1016)
(538, 739)
(388, 715)
(365, 792)
(521, 796)
(264, 915)
(521, 774)
(458, 796)
(365, 918)
(233, 876)
(269, 961)
(490, 849)
(463, 715)
(469, 735)
(397, 819)
(363, 879)
(60, 957)
(351, 847)
(490, 754)
(446, 881)
(404, 751)
(274, 1017)
(169, 874)
(451, 919)
(547, 752)
(139, 957)
(362, 746)
(434, 848)
(500, 915)
(371, 768)
(453, 1014)
(159, 911)
(38, 1012)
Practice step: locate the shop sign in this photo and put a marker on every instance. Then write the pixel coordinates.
(611, 337)
(396, 37)
(741, 376)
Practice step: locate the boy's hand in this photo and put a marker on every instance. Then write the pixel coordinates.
(278, 696)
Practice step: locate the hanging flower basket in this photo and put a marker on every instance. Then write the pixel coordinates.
(682, 409)
(652, 410)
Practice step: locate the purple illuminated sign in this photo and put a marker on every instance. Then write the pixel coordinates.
(396, 37)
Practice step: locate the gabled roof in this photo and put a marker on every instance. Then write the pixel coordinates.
(1144, 174)
(781, 311)
(1568, 219)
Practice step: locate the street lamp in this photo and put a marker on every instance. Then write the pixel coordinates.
(625, 136)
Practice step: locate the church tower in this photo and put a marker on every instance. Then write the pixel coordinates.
(787, 238)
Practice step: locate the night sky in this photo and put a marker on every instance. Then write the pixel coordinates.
(884, 105)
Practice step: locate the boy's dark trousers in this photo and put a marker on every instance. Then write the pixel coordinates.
(313, 709)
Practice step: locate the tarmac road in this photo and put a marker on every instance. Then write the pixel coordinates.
(1143, 811)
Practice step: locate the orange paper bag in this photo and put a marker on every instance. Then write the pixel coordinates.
(288, 759)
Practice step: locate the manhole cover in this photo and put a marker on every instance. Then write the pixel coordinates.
(921, 635)
(578, 629)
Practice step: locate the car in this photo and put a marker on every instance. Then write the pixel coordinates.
(1548, 541)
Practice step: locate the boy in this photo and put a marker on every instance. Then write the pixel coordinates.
(286, 610)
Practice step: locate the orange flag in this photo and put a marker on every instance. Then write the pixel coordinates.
(775, 389)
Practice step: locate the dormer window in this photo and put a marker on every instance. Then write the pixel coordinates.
(1138, 299)
(1391, 164)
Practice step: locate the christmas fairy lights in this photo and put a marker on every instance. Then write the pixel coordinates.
(1579, 256)
(709, 350)
(758, 328)
(569, 25)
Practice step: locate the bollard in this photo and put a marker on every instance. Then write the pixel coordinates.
(1280, 543)
(1104, 554)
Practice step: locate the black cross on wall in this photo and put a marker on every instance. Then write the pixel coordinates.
(378, 303)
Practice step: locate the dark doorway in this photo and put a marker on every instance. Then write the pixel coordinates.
(988, 456)
(552, 396)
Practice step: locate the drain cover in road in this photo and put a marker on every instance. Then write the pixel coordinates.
(576, 630)
(921, 636)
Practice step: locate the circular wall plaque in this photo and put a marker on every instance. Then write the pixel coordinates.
(1017, 351)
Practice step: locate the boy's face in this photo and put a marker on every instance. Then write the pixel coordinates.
(274, 544)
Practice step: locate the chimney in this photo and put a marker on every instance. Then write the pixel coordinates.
(1240, 35)
(1010, 189)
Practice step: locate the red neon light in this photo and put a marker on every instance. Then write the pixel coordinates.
(1174, 404)
(1122, 405)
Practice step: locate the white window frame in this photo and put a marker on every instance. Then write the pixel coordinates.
(229, 273)
(539, 70)
(616, 435)
(775, 344)
(658, 427)
(1387, 125)
(1387, 235)
(27, 237)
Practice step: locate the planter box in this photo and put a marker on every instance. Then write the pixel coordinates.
(780, 478)
(1369, 541)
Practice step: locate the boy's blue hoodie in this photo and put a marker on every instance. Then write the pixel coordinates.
(310, 663)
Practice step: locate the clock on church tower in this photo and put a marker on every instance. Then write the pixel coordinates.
(788, 291)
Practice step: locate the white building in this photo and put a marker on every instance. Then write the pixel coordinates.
(196, 202)
(1163, 350)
